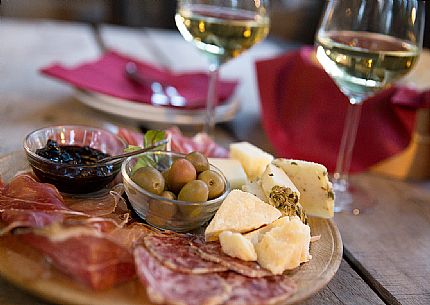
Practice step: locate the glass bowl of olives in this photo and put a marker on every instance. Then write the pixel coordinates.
(67, 156)
(174, 191)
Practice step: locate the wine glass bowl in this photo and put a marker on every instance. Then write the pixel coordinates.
(365, 46)
(221, 29)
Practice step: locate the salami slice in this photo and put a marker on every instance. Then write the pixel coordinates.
(258, 291)
(176, 252)
(164, 285)
(212, 252)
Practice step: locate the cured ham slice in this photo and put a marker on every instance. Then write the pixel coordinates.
(176, 252)
(165, 286)
(24, 202)
(26, 188)
(212, 252)
(99, 205)
(85, 255)
(258, 291)
(200, 142)
(131, 234)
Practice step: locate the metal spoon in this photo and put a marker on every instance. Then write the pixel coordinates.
(132, 153)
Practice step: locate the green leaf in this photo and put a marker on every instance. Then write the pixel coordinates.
(153, 136)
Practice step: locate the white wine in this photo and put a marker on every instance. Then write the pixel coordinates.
(221, 32)
(362, 63)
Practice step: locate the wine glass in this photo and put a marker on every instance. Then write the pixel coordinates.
(366, 45)
(222, 29)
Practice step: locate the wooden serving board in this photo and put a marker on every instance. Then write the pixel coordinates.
(29, 270)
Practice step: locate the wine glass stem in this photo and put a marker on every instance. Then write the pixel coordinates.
(343, 164)
(212, 100)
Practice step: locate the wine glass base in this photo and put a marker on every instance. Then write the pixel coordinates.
(352, 200)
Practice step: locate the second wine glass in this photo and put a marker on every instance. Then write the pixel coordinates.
(222, 29)
(366, 45)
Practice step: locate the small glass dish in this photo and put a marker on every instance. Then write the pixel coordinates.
(175, 215)
(74, 179)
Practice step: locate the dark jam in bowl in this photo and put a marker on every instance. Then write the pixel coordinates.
(73, 169)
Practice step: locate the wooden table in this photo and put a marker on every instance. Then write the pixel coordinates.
(386, 248)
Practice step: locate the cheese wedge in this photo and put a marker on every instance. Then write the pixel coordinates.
(281, 192)
(253, 159)
(255, 236)
(284, 247)
(316, 192)
(255, 188)
(232, 170)
(236, 245)
(240, 212)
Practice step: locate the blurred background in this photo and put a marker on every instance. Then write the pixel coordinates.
(292, 20)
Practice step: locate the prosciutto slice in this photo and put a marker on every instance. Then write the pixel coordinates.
(176, 252)
(200, 142)
(24, 202)
(165, 286)
(84, 254)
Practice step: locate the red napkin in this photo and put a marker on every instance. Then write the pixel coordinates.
(106, 75)
(303, 114)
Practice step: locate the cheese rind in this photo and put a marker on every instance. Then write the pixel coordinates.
(316, 191)
(236, 245)
(284, 247)
(253, 159)
(232, 170)
(240, 212)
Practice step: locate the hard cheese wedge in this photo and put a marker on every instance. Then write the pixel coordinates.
(253, 159)
(232, 170)
(284, 247)
(255, 236)
(255, 188)
(316, 192)
(240, 212)
(236, 245)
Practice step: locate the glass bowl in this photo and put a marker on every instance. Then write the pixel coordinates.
(176, 215)
(74, 179)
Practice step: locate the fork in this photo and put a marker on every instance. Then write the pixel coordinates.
(161, 94)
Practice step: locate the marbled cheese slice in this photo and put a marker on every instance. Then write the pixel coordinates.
(316, 192)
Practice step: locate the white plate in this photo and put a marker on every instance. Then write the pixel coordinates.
(158, 114)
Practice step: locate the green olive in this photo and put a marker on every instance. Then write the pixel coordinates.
(149, 179)
(199, 161)
(194, 191)
(181, 172)
(168, 195)
(214, 181)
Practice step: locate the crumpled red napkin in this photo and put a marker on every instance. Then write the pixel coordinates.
(303, 113)
(107, 75)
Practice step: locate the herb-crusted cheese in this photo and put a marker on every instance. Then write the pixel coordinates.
(255, 188)
(316, 192)
(281, 192)
(236, 245)
(240, 212)
(253, 159)
(232, 170)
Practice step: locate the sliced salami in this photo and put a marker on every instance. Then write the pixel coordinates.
(176, 252)
(258, 291)
(212, 252)
(165, 286)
